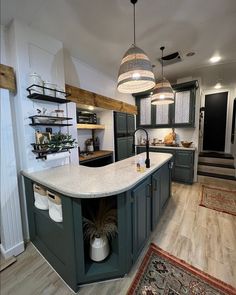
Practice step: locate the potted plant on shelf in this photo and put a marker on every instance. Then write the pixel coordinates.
(60, 141)
(101, 227)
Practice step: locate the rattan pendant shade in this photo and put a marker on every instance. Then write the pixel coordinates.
(162, 92)
(135, 73)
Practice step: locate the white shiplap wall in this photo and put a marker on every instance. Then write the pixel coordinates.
(10, 215)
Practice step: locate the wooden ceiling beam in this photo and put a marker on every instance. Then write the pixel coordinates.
(85, 97)
(7, 78)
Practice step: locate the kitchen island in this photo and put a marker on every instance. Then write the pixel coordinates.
(139, 199)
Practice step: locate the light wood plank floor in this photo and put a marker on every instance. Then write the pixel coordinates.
(202, 237)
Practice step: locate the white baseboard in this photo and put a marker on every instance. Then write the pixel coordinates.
(13, 251)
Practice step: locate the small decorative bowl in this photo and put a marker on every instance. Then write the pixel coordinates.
(186, 144)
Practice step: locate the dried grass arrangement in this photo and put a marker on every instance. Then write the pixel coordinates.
(101, 223)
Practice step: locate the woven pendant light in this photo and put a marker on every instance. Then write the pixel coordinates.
(162, 92)
(135, 73)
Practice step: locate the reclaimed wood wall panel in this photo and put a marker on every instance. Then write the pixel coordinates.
(85, 97)
(7, 78)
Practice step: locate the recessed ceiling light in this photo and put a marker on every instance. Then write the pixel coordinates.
(215, 58)
(218, 85)
(191, 53)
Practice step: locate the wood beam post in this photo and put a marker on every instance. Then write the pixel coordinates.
(7, 78)
(85, 97)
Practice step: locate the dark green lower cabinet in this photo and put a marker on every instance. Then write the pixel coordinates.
(183, 163)
(64, 246)
(156, 197)
(161, 191)
(165, 185)
(141, 216)
(184, 166)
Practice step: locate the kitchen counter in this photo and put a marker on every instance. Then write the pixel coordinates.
(94, 155)
(86, 182)
(169, 147)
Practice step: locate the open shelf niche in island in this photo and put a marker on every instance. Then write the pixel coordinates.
(95, 208)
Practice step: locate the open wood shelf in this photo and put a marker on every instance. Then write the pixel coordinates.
(90, 126)
(44, 97)
(50, 124)
(51, 117)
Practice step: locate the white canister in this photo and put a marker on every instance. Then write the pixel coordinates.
(99, 248)
(55, 207)
(35, 78)
(40, 197)
(51, 91)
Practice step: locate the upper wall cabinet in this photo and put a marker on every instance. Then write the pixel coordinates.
(179, 114)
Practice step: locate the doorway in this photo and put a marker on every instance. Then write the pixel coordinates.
(215, 122)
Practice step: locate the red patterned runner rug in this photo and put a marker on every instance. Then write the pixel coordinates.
(162, 273)
(219, 199)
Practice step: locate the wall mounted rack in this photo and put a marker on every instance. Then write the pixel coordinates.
(43, 97)
(43, 120)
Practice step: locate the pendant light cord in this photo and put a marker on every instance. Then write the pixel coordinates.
(134, 2)
(162, 49)
(162, 62)
(134, 26)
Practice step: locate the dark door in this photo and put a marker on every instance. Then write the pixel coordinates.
(215, 122)
(141, 210)
(233, 123)
(121, 148)
(165, 185)
(120, 124)
(156, 196)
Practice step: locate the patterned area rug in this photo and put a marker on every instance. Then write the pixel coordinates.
(163, 274)
(219, 199)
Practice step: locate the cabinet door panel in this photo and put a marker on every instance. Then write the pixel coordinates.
(130, 146)
(156, 195)
(120, 124)
(141, 216)
(162, 115)
(182, 107)
(165, 184)
(145, 112)
(121, 151)
(183, 174)
(184, 158)
(130, 124)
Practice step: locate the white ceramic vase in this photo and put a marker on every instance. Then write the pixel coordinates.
(99, 248)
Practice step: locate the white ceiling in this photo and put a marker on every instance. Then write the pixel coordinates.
(99, 32)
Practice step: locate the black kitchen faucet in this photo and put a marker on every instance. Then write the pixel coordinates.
(147, 161)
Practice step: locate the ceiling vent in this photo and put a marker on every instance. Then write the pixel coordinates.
(171, 59)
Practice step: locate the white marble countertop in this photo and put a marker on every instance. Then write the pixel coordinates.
(169, 147)
(89, 182)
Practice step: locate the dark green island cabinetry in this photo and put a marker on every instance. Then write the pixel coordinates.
(139, 206)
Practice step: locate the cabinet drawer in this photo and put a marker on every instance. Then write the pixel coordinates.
(184, 158)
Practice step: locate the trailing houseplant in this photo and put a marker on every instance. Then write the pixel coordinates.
(101, 226)
(60, 141)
